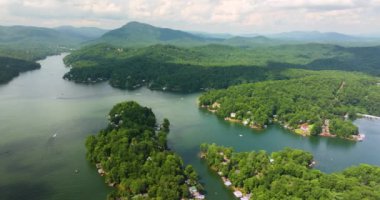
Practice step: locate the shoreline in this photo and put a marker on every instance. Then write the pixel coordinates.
(239, 193)
(357, 138)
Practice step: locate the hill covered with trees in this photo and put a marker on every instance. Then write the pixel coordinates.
(11, 67)
(307, 102)
(136, 34)
(200, 68)
(288, 174)
(34, 43)
(133, 156)
(19, 45)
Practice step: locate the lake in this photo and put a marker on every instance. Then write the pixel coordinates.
(39, 104)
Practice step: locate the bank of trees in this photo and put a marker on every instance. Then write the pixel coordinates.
(311, 99)
(287, 174)
(134, 156)
(11, 67)
(172, 68)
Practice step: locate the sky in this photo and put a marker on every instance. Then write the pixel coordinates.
(214, 16)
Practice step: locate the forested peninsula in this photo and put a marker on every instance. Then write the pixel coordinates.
(310, 103)
(133, 156)
(11, 67)
(288, 174)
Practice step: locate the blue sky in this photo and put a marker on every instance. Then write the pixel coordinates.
(223, 16)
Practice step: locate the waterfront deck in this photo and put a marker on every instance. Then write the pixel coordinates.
(368, 116)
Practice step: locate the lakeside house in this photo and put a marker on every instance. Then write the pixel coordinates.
(226, 181)
(346, 116)
(359, 137)
(101, 172)
(305, 127)
(238, 194)
(194, 192)
(233, 115)
(215, 105)
(246, 197)
(100, 169)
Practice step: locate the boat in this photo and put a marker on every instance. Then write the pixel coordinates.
(361, 137)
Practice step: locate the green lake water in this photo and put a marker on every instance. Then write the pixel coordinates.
(38, 104)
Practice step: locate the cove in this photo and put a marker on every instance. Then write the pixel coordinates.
(38, 104)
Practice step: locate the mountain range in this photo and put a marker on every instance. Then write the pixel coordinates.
(33, 43)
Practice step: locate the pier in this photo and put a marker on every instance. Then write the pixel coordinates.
(368, 116)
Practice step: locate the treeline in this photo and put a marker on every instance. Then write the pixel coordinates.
(11, 67)
(308, 100)
(29, 53)
(133, 156)
(166, 67)
(288, 174)
(364, 59)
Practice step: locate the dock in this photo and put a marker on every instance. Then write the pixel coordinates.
(368, 116)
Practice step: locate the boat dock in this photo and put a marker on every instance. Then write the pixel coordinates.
(368, 116)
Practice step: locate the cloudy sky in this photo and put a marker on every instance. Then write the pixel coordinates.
(232, 16)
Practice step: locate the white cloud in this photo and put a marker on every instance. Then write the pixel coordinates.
(204, 15)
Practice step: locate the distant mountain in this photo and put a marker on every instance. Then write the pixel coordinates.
(250, 41)
(27, 36)
(85, 33)
(140, 34)
(213, 35)
(33, 43)
(314, 36)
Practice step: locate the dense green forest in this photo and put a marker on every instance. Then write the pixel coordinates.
(172, 68)
(302, 103)
(11, 67)
(133, 155)
(288, 174)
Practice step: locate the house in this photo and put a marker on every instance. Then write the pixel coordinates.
(194, 192)
(238, 194)
(233, 115)
(227, 183)
(101, 172)
(246, 197)
(305, 127)
(193, 189)
(346, 116)
(215, 105)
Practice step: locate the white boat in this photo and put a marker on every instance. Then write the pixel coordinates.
(361, 137)
(54, 135)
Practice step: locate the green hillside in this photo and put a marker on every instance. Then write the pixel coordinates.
(139, 34)
(306, 100)
(82, 33)
(288, 174)
(11, 67)
(33, 43)
(210, 66)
